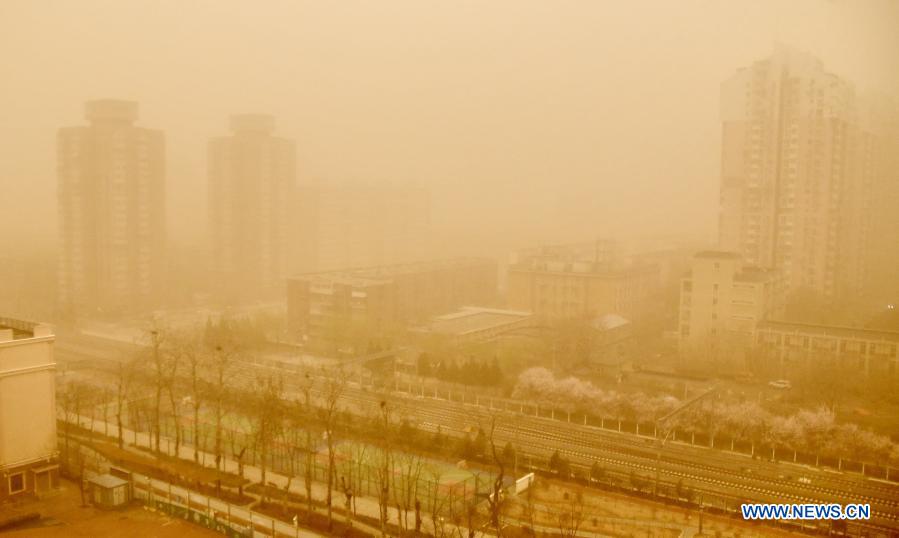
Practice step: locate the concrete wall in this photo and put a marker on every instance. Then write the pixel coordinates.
(27, 401)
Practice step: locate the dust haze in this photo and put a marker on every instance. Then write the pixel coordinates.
(553, 250)
(522, 116)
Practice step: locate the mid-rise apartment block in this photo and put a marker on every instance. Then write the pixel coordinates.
(722, 300)
(385, 296)
(580, 281)
(251, 182)
(111, 212)
(28, 453)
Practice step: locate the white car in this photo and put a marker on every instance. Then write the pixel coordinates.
(780, 384)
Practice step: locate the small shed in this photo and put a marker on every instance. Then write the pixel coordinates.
(108, 491)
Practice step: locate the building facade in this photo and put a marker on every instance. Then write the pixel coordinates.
(802, 160)
(388, 295)
(786, 346)
(111, 212)
(28, 453)
(879, 149)
(580, 281)
(251, 182)
(721, 302)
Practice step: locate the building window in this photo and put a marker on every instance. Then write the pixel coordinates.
(16, 483)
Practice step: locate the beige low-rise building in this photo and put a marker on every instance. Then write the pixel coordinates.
(580, 281)
(721, 302)
(28, 449)
(383, 296)
(788, 346)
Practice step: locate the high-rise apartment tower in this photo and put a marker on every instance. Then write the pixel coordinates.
(251, 177)
(795, 186)
(111, 212)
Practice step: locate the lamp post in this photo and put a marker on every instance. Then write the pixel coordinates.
(661, 425)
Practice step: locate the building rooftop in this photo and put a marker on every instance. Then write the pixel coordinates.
(472, 319)
(252, 123)
(753, 274)
(108, 481)
(609, 322)
(365, 276)
(17, 329)
(110, 110)
(583, 268)
(830, 330)
(717, 255)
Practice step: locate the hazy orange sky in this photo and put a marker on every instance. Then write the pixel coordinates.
(525, 117)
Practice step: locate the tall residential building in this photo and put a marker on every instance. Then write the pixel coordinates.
(28, 454)
(880, 162)
(251, 179)
(584, 280)
(721, 302)
(349, 224)
(794, 185)
(111, 211)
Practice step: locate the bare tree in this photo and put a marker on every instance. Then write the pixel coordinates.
(334, 387)
(92, 397)
(267, 409)
(159, 379)
(291, 466)
(439, 502)
(407, 469)
(305, 417)
(222, 359)
(570, 518)
(173, 360)
(354, 459)
(496, 499)
(104, 395)
(73, 396)
(238, 451)
(383, 471)
(195, 363)
(124, 377)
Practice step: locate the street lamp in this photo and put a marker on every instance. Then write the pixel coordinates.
(660, 423)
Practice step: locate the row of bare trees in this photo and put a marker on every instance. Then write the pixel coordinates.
(197, 376)
(177, 370)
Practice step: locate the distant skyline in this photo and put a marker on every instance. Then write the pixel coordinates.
(526, 119)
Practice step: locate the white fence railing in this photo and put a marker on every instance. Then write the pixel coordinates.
(220, 516)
